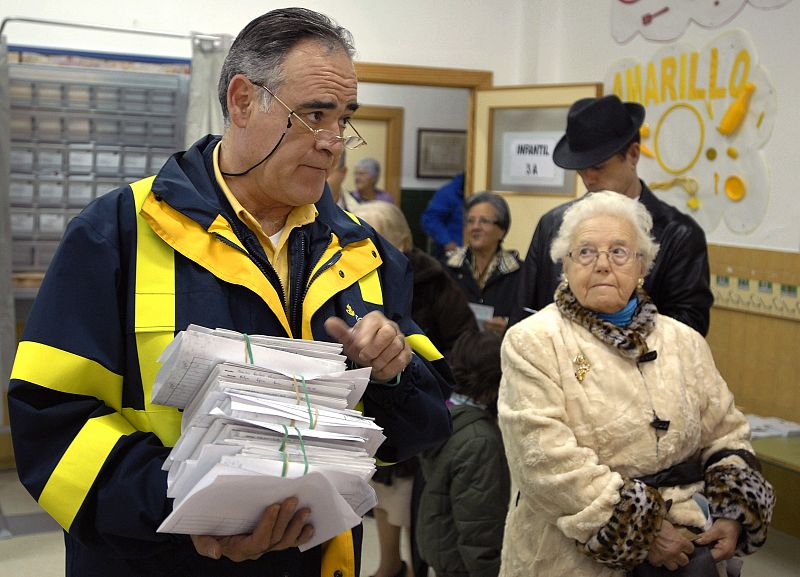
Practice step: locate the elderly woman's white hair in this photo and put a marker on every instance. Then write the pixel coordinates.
(608, 203)
(389, 221)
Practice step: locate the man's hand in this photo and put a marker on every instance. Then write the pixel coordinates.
(375, 342)
(281, 527)
(670, 549)
(724, 534)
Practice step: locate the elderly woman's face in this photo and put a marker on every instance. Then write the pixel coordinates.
(602, 285)
(483, 234)
(364, 178)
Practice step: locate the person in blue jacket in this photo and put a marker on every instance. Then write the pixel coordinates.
(238, 232)
(443, 218)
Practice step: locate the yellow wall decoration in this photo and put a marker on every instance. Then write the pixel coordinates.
(712, 99)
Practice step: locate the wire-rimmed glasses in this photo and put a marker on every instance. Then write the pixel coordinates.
(588, 255)
(320, 134)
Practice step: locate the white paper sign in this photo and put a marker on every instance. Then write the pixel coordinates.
(528, 159)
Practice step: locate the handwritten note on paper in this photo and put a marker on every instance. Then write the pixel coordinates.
(192, 355)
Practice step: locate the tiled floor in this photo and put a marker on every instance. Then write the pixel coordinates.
(36, 547)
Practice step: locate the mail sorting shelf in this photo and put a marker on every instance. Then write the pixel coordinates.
(77, 133)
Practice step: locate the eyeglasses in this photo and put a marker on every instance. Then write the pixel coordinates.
(481, 220)
(588, 255)
(320, 134)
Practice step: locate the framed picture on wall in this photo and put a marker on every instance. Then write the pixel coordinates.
(440, 153)
(523, 140)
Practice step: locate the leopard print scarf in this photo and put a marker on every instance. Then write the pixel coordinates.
(629, 340)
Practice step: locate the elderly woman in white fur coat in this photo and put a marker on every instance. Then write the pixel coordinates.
(626, 451)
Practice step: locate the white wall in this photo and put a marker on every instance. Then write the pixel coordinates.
(424, 107)
(573, 43)
(449, 33)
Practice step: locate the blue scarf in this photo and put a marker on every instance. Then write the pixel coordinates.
(622, 317)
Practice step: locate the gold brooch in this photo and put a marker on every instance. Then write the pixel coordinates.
(582, 367)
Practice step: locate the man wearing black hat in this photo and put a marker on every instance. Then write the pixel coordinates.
(602, 144)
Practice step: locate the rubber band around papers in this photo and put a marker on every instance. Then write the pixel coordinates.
(248, 350)
(312, 421)
(302, 448)
(286, 454)
(283, 450)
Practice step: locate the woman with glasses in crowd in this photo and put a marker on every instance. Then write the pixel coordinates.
(625, 447)
(486, 272)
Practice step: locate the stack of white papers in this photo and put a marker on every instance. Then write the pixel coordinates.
(761, 427)
(265, 418)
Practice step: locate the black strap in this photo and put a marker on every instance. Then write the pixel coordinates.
(691, 470)
(683, 473)
(748, 457)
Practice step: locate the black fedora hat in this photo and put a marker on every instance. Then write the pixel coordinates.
(597, 129)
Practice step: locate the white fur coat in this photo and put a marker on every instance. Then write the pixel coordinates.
(576, 419)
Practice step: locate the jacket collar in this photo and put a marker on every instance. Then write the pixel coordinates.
(507, 259)
(651, 202)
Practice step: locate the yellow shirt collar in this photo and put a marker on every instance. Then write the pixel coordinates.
(299, 215)
(277, 255)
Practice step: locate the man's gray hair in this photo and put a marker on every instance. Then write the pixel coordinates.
(607, 203)
(261, 48)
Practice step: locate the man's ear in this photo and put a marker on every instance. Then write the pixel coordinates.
(634, 152)
(242, 100)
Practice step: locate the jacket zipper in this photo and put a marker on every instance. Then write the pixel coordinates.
(323, 268)
(297, 274)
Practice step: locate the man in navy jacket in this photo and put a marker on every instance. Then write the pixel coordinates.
(238, 233)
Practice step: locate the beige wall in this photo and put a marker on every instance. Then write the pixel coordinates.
(375, 133)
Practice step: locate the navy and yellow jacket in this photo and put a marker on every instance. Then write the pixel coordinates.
(135, 267)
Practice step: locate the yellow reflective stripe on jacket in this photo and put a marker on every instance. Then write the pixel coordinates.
(154, 319)
(424, 347)
(73, 477)
(358, 260)
(66, 372)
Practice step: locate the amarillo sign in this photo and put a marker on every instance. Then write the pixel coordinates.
(709, 113)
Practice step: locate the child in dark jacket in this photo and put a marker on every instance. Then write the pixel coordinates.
(465, 499)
